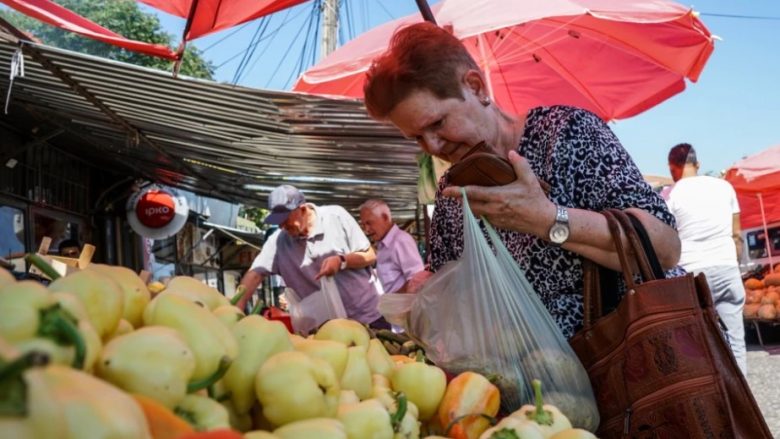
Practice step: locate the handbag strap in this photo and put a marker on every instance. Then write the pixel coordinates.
(647, 245)
(634, 249)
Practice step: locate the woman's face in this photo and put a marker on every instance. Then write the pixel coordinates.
(445, 128)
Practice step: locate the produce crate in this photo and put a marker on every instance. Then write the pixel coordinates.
(62, 265)
(762, 302)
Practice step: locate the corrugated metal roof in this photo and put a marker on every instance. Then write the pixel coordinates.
(219, 140)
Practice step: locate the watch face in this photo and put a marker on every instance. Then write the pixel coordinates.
(559, 233)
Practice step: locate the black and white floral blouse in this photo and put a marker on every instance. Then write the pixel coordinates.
(587, 168)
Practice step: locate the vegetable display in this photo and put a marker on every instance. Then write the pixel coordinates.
(100, 354)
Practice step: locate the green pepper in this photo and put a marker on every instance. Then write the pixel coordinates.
(292, 386)
(378, 359)
(154, 361)
(58, 401)
(240, 422)
(195, 291)
(258, 340)
(334, 352)
(134, 292)
(513, 428)
(357, 374)
(229, 315)
(320, 428)
(26, 411)
(123, 328)
(94, 408)
(548, 417)
(29, 313)
(424, 385)
(101, 296)
(211, 342)
(367, 419)
(573, 433)
(203, 413)
(94, 345)
(349, 332)
(20, 305)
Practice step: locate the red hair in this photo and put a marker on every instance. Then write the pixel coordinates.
(421, 56)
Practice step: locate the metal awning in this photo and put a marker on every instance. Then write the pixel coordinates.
(218, 140)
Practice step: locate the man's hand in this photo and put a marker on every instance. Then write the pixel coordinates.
(250, 282)
(329, 267)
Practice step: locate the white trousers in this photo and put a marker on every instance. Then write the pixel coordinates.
(728, 294)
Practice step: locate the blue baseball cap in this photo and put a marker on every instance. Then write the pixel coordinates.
(283, 200)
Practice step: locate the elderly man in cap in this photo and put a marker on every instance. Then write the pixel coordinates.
(316, 241)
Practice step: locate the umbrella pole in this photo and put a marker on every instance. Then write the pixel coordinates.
(425, 10)
(766, 234)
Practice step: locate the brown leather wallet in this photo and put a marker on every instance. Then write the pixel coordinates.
(482, 167)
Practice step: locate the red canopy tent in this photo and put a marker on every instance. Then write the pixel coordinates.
(756, 179)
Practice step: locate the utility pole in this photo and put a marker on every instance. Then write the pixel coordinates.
(330, 27)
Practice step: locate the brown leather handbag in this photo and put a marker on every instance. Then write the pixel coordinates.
(659, 364)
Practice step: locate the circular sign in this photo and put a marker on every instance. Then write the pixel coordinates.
(157, 213)
(155, 209)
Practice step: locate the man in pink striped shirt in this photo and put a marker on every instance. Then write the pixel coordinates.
(397, 257)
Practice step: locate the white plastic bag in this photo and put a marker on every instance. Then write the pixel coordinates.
(308, 313)
(480, 313)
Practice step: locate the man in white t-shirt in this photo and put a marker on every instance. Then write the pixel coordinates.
(708, 223)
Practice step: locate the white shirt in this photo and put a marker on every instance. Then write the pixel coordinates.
(704, 207)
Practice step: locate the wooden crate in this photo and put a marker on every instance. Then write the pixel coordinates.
(63, 265)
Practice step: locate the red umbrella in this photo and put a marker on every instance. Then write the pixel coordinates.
(615, 58)
(203, 17)
(209, 16)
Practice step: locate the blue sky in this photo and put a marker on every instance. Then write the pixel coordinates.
(733, 111)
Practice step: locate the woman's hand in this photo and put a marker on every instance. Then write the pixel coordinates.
(521, 206)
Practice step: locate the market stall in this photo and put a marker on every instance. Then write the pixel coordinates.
(109, 357)
(756, 180)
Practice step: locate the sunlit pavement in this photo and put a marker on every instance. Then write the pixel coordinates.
(763, 371)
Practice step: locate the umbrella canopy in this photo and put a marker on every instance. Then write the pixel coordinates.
(615, 58)
(756, 179)
(209, 16)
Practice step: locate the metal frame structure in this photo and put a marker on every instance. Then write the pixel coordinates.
(228, 142)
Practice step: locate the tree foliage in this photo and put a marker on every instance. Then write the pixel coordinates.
(123, 17)
(255, 214)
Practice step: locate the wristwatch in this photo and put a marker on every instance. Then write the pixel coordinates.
(559, 232)
(343, 265)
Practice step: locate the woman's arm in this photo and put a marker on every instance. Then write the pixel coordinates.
(522, 206)
(590, 237)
